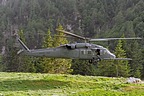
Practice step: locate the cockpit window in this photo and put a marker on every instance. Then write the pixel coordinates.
(108, 51)
(105, 51)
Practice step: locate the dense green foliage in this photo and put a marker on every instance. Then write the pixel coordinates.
(54, 65)
(32, 84)
(115, 68)
(91, 18)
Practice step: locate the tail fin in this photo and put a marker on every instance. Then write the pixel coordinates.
(25, 48)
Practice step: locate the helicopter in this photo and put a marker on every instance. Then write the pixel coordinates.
(84, 51)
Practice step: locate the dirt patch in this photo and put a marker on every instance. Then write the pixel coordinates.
(131, 88)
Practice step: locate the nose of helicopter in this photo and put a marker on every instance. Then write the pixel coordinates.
(112, 56)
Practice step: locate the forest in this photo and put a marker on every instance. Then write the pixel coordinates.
(36, 22)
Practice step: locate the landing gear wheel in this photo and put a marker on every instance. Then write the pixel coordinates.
(98, 60)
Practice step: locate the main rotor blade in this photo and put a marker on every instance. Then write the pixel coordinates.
(108, 39)
(74, 35)
(93, 40)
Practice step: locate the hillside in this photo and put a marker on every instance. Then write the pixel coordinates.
(32, 84)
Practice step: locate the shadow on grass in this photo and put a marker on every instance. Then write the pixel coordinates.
(23, 85)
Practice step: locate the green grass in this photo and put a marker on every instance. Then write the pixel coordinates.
(33, 84)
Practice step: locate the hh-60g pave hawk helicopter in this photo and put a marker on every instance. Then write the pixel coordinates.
(85, 51)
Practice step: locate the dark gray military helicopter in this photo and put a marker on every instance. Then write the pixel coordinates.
(85, 51)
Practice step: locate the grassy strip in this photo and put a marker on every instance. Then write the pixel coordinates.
(32, 84)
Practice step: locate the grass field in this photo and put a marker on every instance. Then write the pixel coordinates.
(34, 84)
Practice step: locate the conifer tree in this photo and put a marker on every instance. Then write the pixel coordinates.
(142, 61)
(10, 60)
(83, 67)
(135, 64)
(122, 66)
(106, 68)
(61, 65)
(115, 67)
(130, 47)
(1, 65)
(25, 62)
(47, 63)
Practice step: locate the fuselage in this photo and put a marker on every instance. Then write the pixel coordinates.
(73, 51)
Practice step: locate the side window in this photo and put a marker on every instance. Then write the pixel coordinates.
(83, 52)
(86, 52)
(104, 51)
(89, 52)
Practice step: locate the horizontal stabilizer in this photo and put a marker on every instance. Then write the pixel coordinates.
(117, 59)
(20, 51)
